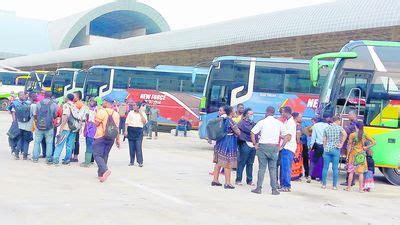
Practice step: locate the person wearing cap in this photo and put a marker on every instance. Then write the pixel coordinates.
(101, 145)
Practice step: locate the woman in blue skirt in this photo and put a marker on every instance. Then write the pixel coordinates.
(226, 149)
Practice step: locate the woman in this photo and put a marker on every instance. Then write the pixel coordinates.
(225, 154)
(334, 137)
(135, 121)
(247, 151)
(357, 162)
(297, 165)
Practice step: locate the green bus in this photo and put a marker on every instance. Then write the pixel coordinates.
(366, 78)
(67, 80)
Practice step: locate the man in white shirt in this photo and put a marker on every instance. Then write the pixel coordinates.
(270, 130)
(287, 153)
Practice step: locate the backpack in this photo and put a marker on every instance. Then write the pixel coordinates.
(111, 130)
(216, 129)
(23, 112)
(44, 118)
(74, 119)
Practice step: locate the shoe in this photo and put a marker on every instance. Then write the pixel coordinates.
(216, 184)
(48, 162)
(141, 165)
(275, 192)
(343, 184)
(16, 156)
(251, 184)
(131, 164)
(35, 160)
(256, 191)
(105, 176)
(237, 183)
(308, 180)
(334, 188)
(84, 165)
(25, 157)
(74, 160)
(229, 186)
(42, 156)
(149, 138)
(67, 163)
(56, 163)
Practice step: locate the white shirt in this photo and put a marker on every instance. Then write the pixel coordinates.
(135, 120)
(290, 126)
(270, 130)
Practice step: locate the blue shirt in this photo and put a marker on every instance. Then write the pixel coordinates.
(317, 135)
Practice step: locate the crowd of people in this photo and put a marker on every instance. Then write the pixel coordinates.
(283, 145)
(290, 150)
(54, 127)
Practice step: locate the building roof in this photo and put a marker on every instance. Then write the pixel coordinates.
(341, 15)
(23, 36)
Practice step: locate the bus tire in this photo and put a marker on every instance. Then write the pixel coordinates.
(4, 104)
(392, 175)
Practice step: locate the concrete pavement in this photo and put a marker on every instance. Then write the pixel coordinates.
(173, 187)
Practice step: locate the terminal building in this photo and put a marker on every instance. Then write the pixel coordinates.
(130, 33)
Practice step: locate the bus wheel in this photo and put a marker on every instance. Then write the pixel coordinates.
(392, 175)
(3, 104)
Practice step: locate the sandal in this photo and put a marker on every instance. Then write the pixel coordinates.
(346, 189)
(361, 191)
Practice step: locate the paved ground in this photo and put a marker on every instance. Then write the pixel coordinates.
(173, 187)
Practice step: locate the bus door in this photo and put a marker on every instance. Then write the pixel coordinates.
(352, 93)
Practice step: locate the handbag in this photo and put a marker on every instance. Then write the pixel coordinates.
(14, 131)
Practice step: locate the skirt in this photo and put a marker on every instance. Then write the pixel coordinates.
(226, 152)
(316, 166)
(297, 165)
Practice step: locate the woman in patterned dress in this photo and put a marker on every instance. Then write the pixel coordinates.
(226, 150)
(356, 156)
(297, 165)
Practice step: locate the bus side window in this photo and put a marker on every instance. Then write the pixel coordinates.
(297, 81)
(269, 78)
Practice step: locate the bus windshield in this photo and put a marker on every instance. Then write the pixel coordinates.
(62, 80)
(97, 78)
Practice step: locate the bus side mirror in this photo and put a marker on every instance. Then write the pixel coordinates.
(315, 63)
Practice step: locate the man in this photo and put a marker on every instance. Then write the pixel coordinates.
(287, 153)
(182, 126)
(79, 105)
(154, 113)
(270, 130)
(102, 145)
(21, 111)
(305, 139)
(239, 113)
(350, 128)
(122, 111)
(65, 135)
(316, 144)
(44, 114)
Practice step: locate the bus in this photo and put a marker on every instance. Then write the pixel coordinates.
(366, 78)
(258, 83)
(67, 80)
(39, 80)
(11, 83)
(176, 90)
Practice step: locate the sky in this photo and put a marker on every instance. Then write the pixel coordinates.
(178, 13)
